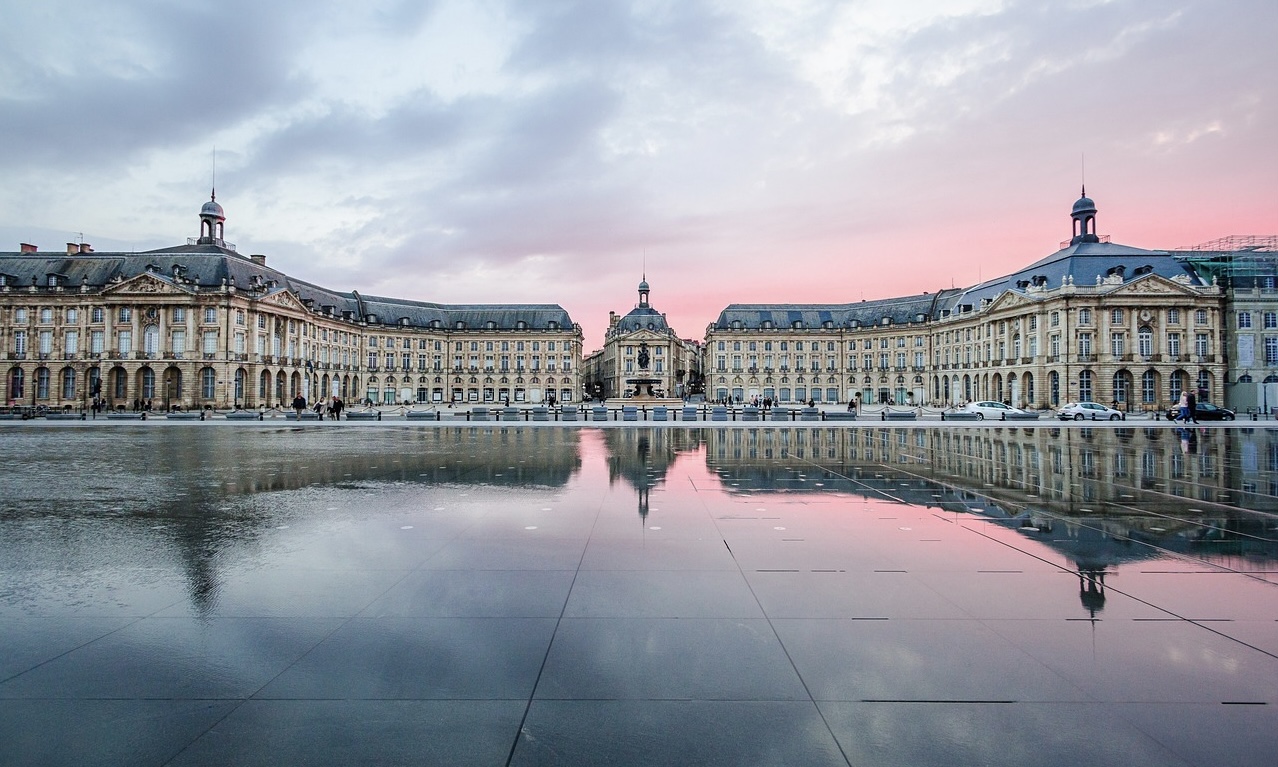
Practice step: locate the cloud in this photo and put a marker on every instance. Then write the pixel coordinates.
(783, 150)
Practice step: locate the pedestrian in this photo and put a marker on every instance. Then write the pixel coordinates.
(319, 408)
(1191, 407)
(852, 405)
(299, 405)
(1182, 408)
(337, 408)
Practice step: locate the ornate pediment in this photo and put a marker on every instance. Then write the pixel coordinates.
(1008, 299)
(1152, 284)
(147, 284)
(285, 299)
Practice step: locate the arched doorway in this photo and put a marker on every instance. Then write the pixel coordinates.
(17, 385)
(1123, 389)
(171, 386)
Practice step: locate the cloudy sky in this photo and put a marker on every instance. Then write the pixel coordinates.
(544, 150)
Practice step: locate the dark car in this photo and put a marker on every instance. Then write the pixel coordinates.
(1205, 412)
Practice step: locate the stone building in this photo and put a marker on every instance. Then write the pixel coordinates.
(1247, 265)
(201, 325)
(674, 362)
(1095, 320)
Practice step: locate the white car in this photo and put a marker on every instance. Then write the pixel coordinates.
(990, 409)
(1092, 411)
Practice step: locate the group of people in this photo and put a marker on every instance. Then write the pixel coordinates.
(330, 406)
(1188, 408)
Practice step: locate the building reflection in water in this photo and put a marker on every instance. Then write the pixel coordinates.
(1102, 498)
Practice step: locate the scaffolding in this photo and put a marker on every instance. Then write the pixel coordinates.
(1239, 260)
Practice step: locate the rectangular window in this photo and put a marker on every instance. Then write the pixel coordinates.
(1271, 320)
(1116, 317)
(210, 315)
(210, 342)
(179, 314)
(1173, 344)
(126, 341)
(97, 315)
(1173, 316)
(1244, 320)
(1084, 344)
(72, 342)
(1116, 343)
(97, 342)
(1200, 317)
(1202, 345)
(73, 316)
(1271, 350)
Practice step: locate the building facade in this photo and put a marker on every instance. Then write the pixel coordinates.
(201, 325)
(674, 362)
(1093, 321)
(1248, 268)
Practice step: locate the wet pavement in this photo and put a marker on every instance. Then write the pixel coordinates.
(492, 595)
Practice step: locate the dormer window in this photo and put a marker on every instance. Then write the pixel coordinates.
(521, 325)
(491, 325)
(53, 280)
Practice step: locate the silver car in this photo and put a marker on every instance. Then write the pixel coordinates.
(1091, 411)
(990, 409)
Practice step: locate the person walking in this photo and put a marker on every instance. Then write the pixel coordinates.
(1191, 407)
(299, 405)
(1182, 408)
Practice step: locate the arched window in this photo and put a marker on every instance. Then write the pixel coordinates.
(146, 377)
(17, 383)
(68, 383)
(208, 383)
(42, 383)
(1085, 386)
(1204, 385)
(1029, 389)
(241, 383)
(1148, 387)
(1054, 387)
(1122, 381)
(1177, 384)
(1145, 342)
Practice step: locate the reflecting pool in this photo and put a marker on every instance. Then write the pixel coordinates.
(255, 594)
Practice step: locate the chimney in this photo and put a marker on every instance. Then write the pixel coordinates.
(72, 248)
(258, 259)
(86, 247)
(27, 247)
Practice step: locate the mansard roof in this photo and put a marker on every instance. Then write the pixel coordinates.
(861, 314)
(1082, 263)
(209, 266)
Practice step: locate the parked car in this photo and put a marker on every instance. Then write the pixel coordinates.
(1091, 411)
(1205, 411)
(985, 410)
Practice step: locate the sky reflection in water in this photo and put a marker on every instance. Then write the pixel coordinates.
(840, 567)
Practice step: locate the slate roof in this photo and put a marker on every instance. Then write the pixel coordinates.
(208, 266)
(641, 318)
(1082, 262)
(863, 313)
